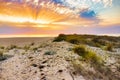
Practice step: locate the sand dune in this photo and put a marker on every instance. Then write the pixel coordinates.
(47, 60)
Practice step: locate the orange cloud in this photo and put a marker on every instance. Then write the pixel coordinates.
(48, 15)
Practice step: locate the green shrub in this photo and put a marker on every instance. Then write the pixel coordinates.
(88, 55)
(74, 41)
(61, 37)
(12, 47)
(34, 49)
(94, 58)
(109, 47)
(2, 57)
(2, 47)
(26, 47)
(1, 53)
(80, 50)
(97, 45)
(91, 40)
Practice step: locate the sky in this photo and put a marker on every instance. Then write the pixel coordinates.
(42, 18)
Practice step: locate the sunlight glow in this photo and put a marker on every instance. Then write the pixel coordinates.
(15, 19)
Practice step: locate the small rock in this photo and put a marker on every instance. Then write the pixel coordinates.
(41, 66)
(34, 65)
(60, 71)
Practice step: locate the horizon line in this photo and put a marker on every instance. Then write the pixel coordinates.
(36, 36)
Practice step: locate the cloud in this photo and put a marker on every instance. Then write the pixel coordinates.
(89, 14)
(80, 4)
(57, 1)
(46, 13)
(29, 31)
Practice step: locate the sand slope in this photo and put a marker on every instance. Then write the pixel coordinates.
(38, 65)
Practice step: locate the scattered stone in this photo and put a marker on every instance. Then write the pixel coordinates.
(34, 65)
(44, 61)
(42, 73)
(60, 71)
(30, 57)
(74, 73)
(43, 78)
(41, 66)
(35, 71)
(48, 65)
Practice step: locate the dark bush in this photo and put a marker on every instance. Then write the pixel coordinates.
(34, 49)
(109, 47)
(2, 47)
(12, 47)
(61, 37)
(2, 57)
(74, 41)
(80, 50)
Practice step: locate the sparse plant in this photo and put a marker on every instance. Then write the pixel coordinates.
(50, 52)
(1, 53)
(2, 47)
(23, 53)
(77, 66)
(26, 47)
(69, 49)
(43, 45)
(109, 47)
(95, 59)
(34, 49)
(74, 41)
(87, 55)
(2, 57)
(12, 47)
(91, 40)
(80, 50)
(98, 45)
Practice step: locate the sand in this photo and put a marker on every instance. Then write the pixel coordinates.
(22, 40)
(50, 61)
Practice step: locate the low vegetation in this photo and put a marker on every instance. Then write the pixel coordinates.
(35, 49)
(1, 53)
(109, 47)
(2, 47)
(91, 60)
(2, 57)
(11, 47)
(26, 47)
(87, 55)
(91, 40)
(61, 37)
(50, 52)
